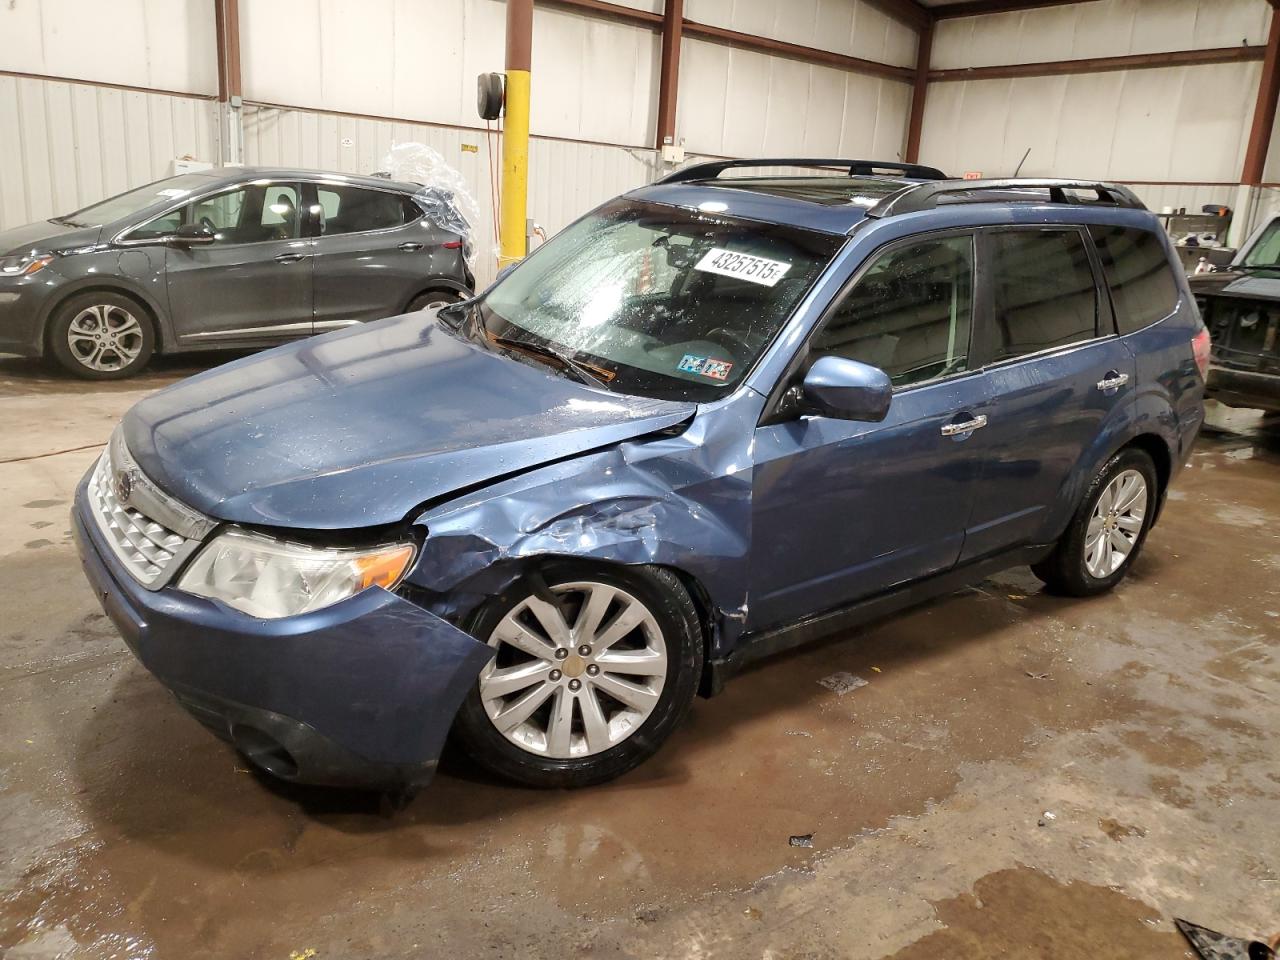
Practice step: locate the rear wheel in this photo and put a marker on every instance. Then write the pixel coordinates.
(1108, 530)
(434, 299)
(101, 336)
(589, 676)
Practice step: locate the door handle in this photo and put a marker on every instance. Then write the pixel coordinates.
(409, 246)
(291, 257)
(1113, 383)
(959, 429)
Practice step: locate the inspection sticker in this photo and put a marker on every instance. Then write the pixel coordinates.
(705, 366)
(743, 266)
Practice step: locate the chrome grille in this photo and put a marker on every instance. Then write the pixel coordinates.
(147, 549)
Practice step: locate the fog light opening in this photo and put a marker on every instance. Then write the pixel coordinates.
(265, 751)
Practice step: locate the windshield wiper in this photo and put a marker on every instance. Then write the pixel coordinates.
(581, 371)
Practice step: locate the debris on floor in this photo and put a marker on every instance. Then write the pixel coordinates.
(1211, 945)
(1118, 831)
(842, 683)
(801, 840)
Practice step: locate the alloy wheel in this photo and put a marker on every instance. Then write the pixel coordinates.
(573, 678)
(1116, 524)
(105, 337)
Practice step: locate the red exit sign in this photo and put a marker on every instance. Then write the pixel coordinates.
(973, 174)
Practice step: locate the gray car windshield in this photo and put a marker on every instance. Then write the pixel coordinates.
(127, 204)
(656, 300)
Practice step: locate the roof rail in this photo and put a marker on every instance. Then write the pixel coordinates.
(925, 196)
(865, 168)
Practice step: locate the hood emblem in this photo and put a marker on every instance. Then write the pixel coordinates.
(124, 485)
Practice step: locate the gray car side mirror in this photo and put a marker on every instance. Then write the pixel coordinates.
(192, 234)
(845, 389)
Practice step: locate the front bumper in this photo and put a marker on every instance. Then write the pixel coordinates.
(22, 303)
(361, 693)
(1243, 388)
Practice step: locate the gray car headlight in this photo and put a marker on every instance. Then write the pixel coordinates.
(270, 578)
(24, 265)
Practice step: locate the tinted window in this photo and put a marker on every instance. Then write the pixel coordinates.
(909, 314)
(1042, 291)
(1143, 288)
(353, 210)
(1265, 251)
(252, 214)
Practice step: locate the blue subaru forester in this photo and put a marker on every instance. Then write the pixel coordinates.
(712, 418)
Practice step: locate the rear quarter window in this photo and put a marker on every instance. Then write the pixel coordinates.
(1138, 272)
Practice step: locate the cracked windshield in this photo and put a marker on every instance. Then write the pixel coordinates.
(655, 300)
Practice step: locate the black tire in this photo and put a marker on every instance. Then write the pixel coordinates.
(666, 598)
(1065, 570)
(121, 312)
(433, 298)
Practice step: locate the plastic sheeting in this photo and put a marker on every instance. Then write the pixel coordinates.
(445, 195)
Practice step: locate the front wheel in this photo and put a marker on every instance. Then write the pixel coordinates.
(101, 336)
(1108, 530)
(433, 299)
(590, 675)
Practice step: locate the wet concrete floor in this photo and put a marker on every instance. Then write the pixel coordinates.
(1021, 775)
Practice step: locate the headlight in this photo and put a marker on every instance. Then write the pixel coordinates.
(24, 265)
(269, 578)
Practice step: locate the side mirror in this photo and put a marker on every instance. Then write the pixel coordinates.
(192, 234)
(845, 389)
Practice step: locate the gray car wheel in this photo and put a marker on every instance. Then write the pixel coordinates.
(101, 336)
(434, 299)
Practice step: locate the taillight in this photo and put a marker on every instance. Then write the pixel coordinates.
(1200, 347)
(452, 244)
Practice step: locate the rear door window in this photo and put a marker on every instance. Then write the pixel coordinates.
(1143, 288)
(1042, 289)
(356, 210)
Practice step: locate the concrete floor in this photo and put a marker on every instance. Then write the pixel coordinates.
(1022, 775)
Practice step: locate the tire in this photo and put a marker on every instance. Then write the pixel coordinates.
(540, 753)
(1082, 566)
(433, 298)
(101, 335)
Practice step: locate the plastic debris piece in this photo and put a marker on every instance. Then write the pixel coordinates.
(445, 195)
(876, 670)
(1211, 945)
(306, 954)
(801, 840)
(842, 683)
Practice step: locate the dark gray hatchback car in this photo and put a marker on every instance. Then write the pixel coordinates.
(240, 257)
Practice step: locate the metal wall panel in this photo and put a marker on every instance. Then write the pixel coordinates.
(67, 145)
(851, 27)
(1101, 29)
(741, 103)
(1175, 124)
(566, 179)
(164, 44)
(593, 79)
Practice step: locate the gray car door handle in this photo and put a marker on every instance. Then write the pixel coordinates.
(956, 429)
(409, 246)
(291, 257)
(1112, 383)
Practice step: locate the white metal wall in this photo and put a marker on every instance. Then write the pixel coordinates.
(66, 145)
(162, 44)
(1106, 28)
(593, 79)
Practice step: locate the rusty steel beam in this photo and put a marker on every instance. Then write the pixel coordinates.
(1264, 112)
(975, 8)
(669, 75)
(227, 26)
(795, 51)
(919, 92)
(1137, 61)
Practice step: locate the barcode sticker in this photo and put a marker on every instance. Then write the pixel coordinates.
(743, 266)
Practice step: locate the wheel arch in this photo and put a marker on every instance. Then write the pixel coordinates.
(438, 283)
(150, 308)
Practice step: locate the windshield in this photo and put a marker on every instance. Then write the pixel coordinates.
(126, 204)
(656, 300)
(1266, 250)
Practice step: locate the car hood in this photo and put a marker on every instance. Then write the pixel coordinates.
(45, 235)
(358, 428)
(1253, 285)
